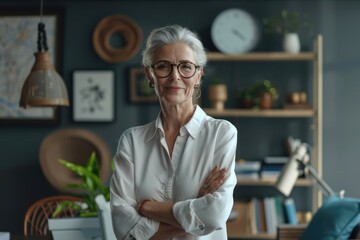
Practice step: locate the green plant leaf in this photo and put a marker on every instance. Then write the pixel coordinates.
(91, 186)
(65, 205)
(286, 22)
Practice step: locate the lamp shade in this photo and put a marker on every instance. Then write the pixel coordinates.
(43, 87)
(287, 179)
(291, 171)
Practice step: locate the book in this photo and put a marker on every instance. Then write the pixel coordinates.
(270, 215)
(290, 211)
(247, 169)
(271, 171)
(243, 166)
(247, 176)
(280, 216)
(262, 216)
(276, 159)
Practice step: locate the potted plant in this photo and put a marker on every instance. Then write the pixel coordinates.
(87, 224)
(287, 24)
(217, 94)
(260, 95)
(246, 97)
(266, 94)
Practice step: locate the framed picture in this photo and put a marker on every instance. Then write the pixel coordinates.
(18, 44)
(140, 90)
(93, 96)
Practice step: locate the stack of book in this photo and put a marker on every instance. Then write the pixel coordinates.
(246, 170)
(272, 167)
(261, 215)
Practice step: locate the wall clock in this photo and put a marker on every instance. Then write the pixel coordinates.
(129, 32)
(235, 31)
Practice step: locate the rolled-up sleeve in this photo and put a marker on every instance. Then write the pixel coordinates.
(204, 215)
(127, 223)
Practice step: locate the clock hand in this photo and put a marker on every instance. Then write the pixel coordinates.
(237, 33)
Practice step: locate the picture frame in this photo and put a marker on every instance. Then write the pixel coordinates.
(19, 43)
(93, 95)
(140, 91)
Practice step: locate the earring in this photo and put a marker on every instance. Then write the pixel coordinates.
(151, 85)
(197, 91)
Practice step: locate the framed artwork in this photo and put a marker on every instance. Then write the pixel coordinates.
(93, 96)
(18, 43)
(139, 87)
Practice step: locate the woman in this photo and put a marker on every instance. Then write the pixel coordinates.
(174, 177)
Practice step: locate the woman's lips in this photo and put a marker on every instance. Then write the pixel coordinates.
(173, 88)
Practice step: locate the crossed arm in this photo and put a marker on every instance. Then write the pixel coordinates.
(162, 211)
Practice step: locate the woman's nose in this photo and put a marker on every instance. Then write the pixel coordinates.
(174, 73)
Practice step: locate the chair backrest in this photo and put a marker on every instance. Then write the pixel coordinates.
(36, 217)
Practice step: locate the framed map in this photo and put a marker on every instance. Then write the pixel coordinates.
(18, 43)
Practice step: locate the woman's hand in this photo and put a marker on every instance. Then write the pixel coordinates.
(213, 181)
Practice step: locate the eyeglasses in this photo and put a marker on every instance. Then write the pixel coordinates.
(163, 69)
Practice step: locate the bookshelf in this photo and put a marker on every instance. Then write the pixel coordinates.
(315, 113)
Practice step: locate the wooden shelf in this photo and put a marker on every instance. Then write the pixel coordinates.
(262, 56)
(260, 182)
(260, 113)
(240, 228)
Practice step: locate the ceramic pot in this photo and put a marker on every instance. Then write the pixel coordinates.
(291, 43)
(217, 94)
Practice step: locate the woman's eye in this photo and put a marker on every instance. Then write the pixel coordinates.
(162, 66)
(186, 66)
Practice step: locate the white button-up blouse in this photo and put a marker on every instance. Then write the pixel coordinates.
(145, 170)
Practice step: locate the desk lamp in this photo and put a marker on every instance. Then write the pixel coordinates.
(298, 164)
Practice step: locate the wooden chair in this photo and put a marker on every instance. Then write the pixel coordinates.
(36, 217)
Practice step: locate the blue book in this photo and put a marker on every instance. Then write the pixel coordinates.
(290, 211)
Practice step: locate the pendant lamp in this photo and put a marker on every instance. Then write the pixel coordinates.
(44, 87)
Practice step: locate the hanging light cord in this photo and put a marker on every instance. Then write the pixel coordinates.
(42, 40)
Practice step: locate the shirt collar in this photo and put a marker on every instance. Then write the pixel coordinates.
(195, 124)
(193, 127)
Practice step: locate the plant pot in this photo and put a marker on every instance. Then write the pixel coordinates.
(75, 228)
(291, 43)
(247, 103)
(217, 94)
(266, 100)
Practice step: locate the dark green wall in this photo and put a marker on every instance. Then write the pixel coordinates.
(21, 179)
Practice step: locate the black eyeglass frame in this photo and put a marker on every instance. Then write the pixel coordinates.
(177, 67)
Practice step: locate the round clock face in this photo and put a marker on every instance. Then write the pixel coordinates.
(235, 31)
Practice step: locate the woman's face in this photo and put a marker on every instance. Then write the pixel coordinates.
(174, 89)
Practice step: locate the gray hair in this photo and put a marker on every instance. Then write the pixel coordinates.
(173, 34)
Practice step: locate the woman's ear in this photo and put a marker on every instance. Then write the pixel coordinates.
(148, 74)
(201, 72)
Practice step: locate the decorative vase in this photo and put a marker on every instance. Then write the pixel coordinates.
(217, 95)
(291, 43)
